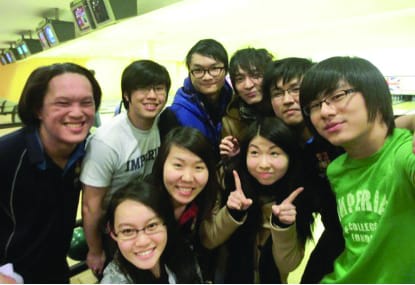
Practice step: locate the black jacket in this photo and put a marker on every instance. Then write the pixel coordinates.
(38, 206)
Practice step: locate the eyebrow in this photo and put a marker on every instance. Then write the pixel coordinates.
(275, 87)
(205, 66)
(184, 160)
(270, 148)
(145, 224)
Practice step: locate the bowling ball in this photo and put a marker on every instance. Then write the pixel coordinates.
(78, 248)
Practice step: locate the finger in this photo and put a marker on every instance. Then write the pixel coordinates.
(233, 205)
(226, 145)
(5, 279)
(222, 145)
(234, 201)
(287, 211)
(234, 197)
(227, 138)
(238, 185)
(228, 141)
(276, 210)
(287, 217)
(224, 151)
(246, 203)
(235, 142)
(293, 195)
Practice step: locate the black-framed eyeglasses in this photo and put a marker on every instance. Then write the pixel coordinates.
(280, 93)
(132, 233)
(158, 89)
(335, 99)
(213, 71)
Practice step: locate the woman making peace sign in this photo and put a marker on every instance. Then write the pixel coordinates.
(265, 221)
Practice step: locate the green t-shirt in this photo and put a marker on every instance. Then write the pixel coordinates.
(376, 205)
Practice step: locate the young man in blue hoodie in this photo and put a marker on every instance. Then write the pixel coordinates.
(201, 101)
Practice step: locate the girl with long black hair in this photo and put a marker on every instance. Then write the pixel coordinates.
(141, 221)
(266, 219)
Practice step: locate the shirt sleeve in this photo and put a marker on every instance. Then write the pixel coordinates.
(216, 229)
(287, 250)
(98, 164)
(406, 159)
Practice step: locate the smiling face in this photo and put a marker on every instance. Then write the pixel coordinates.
(208, 85)
(344, 122)
(248, 86)
(145, 104)
(287, 107)
(185, 175)
(144, 250)
(68, 111)
(265, 161)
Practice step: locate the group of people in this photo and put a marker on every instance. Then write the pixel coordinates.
(223, 185)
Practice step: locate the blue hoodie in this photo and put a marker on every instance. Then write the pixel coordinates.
(190, 111)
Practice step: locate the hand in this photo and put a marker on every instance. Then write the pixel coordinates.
(229, 146)
(5, 279)
(96, 262)
(286, 212)
(237, 199)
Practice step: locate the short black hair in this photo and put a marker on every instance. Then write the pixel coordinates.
(36, 87)
(143, 73)
(210, 48)
(361, 74)
(250, 60)
(286, 70)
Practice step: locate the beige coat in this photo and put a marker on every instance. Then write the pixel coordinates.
(286, 249)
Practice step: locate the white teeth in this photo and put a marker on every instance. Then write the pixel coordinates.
(147, 252)
(76, 125)
(185, 190)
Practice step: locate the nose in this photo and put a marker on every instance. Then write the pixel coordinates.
(141, 239)
(151, 93)
(326, 109)
(187, 175)
(77, 110)
(263, 162)
(206, 75)
(248, 82)
(287, 98)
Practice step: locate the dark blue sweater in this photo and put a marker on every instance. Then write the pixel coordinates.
(38, 205)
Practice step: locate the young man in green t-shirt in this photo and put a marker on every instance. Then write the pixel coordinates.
(347, 101)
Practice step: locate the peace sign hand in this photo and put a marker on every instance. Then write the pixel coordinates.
(286, 212)
(237, 199)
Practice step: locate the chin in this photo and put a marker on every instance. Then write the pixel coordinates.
(145, 265)
(209, 91)
(73, 139)
(266, 182)
(254, 100)
(293, 121)
(149, 264)
(336, 140)
(186, 200)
